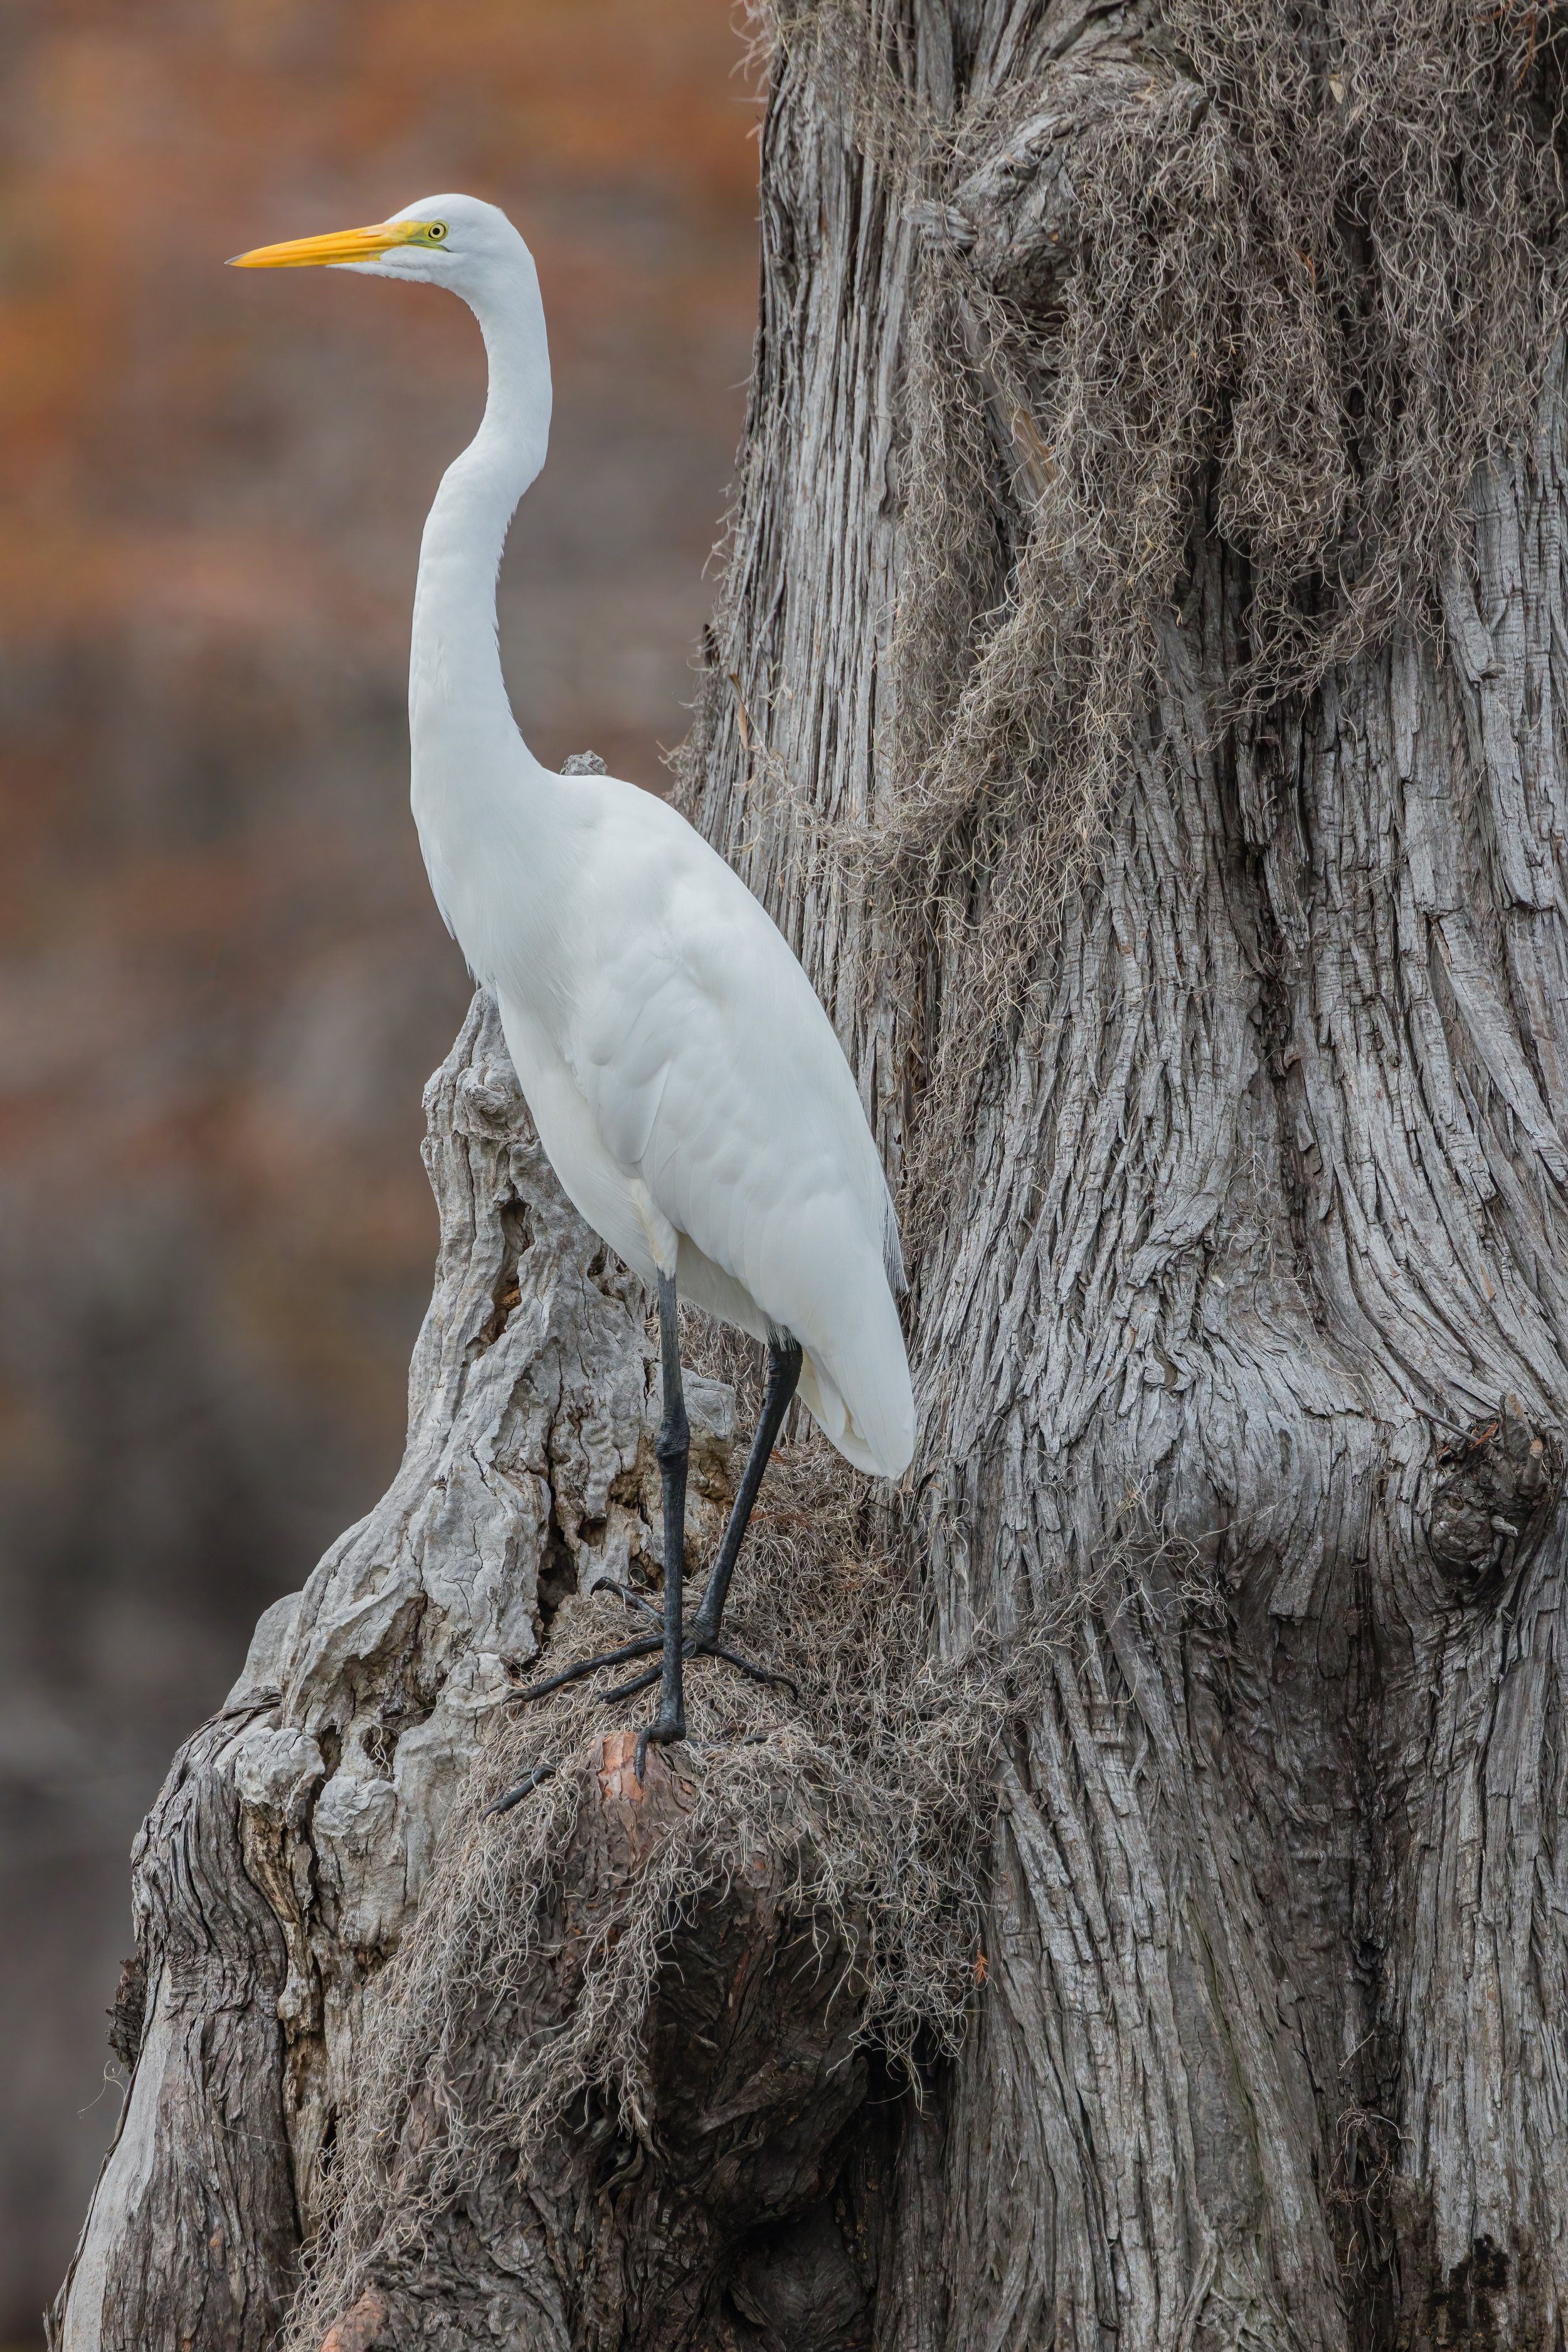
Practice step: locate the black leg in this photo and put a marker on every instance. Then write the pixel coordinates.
(673, 1446)
(672, 1449)
(784, 1371)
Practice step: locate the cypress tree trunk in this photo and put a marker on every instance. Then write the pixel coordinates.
(1229, 1094)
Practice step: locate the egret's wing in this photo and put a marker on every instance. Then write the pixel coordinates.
(713, 1072)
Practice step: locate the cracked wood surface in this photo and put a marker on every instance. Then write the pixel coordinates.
(1259, 1243)
(291, 1842)
(314, 1802)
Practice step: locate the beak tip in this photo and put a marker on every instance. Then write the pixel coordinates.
(342, 249)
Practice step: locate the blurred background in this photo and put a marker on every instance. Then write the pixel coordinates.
(222, 980)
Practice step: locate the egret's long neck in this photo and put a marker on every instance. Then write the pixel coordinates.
(456, 696)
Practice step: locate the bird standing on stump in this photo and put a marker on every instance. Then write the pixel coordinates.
(687, 1085)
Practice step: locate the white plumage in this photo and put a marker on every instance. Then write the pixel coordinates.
(687, 1084)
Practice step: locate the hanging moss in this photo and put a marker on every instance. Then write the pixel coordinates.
(1279, 275)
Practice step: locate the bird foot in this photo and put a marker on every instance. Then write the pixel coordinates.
(627, 1651)
(667, 1728)
(525, 1787)
(700, 1643)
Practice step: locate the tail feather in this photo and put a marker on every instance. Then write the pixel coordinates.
(827, 1409)
(873, 1425)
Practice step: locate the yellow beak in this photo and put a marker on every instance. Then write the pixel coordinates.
(339, 245)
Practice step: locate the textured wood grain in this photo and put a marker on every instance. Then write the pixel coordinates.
(1257, 1246)
(297, 1831)
(292, 1845)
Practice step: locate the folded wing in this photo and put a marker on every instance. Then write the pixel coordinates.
(713, 1073)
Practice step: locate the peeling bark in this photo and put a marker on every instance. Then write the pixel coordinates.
(1252, 1266)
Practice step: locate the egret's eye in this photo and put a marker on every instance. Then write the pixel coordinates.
(436, 232)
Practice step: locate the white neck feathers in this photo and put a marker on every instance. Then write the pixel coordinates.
(455, 682)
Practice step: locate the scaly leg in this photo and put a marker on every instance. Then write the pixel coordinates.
(673, 1448)
(783, 1374)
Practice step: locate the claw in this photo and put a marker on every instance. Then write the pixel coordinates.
(702, 1644)
(525, 1787)
(629, 1650)
(662, 1732)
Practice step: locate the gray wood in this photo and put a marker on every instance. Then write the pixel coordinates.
(295, 1836)
(1256, 1252)
(1245, 1312)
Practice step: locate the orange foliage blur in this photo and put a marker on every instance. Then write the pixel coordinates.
(221, 978)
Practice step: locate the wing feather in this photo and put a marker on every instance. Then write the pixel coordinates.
(713, 1073)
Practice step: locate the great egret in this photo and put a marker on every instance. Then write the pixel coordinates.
(686, 1083)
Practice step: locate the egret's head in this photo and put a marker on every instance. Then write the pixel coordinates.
(454, 241)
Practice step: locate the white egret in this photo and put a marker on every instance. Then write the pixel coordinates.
(686, 1083)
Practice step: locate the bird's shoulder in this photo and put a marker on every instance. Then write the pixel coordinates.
(665, 902)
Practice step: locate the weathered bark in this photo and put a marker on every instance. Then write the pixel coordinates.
(1263, 1229)
(1256, 1243)
(294, 1838)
